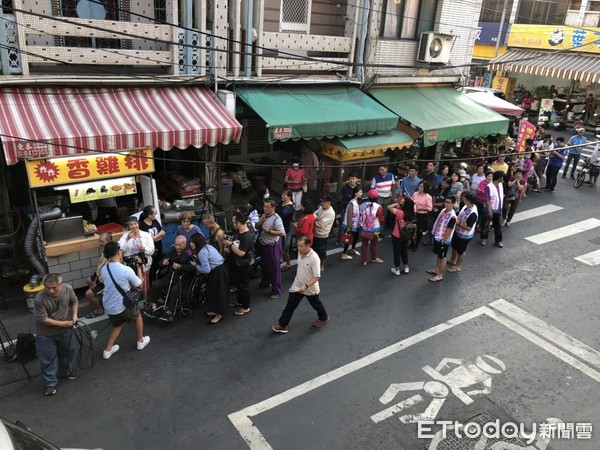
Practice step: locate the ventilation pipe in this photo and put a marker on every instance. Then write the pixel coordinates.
(31, 237)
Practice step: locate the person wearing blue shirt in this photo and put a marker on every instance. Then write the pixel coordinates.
(211, 263)
(409, 184)
(574, 153)
(557, 156)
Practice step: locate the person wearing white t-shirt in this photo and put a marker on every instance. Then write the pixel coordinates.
(306, 284)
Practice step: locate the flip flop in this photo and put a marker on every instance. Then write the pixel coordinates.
(286, 268)
(452, 269)
(210, 322)
(210, 314)
(431, 272)
(241, 312)
(435, 280)
(235, 305)
(450, 263)
(93, 315)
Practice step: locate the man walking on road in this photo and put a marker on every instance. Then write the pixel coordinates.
(557, 157)
(54, 332)
(574, 153)
(306, 284)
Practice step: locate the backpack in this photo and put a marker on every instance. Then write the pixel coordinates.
(367, 218)
(25, 350)
(409, 231)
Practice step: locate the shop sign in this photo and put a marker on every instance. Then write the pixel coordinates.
(432, 135)
(526, 131)
(282, 133)
(506, 85)
(553, 37)
(487, 33)
(344, 154)
(75, 169)
(96, 190)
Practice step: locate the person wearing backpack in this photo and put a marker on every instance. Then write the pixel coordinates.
(464, 232)
(403, 235)
(371, 218)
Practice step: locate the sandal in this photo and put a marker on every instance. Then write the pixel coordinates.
(210, 314)
(431, 272)
(453, 269)
(242, 312)
(435, 279)
(93, 315)
(235, 305)
(214, 322)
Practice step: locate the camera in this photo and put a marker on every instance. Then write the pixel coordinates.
(139, 258)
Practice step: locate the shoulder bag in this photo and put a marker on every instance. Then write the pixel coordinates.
(131, 298)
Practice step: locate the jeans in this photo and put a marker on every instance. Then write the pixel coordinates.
(293, 302)
(551, 176)
(575, 159)
(55, 354)
(400, 251)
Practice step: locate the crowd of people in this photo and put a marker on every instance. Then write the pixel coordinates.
(443, 208)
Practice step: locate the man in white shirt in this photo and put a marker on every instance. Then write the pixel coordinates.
(306, 284)
(324, 218)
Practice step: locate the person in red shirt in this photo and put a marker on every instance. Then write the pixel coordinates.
(295, 179)
(306, 223)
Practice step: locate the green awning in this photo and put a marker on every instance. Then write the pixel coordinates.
(306, 112)
(442, 113)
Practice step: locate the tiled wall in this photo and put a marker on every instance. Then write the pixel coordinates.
(75, 267)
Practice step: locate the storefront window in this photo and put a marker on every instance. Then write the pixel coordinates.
(407, 19)
(546, 13)
(491, 10)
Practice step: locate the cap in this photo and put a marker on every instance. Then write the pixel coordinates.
(463, 165)
(327, 198)
(580, 129)
(462, 173)
(373, 193)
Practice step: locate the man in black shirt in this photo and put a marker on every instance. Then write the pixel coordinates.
(241, 260)
(430, 176)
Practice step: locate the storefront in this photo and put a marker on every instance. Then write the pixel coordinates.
(108, 138)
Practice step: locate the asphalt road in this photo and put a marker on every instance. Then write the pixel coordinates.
(529, 311)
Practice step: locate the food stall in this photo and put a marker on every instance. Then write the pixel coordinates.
(360, 154)
(67, 244)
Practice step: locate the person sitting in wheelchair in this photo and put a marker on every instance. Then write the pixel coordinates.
(179, 261)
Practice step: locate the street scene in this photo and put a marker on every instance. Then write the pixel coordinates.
(299, 224)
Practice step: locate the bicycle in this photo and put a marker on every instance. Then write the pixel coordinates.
(582, 172)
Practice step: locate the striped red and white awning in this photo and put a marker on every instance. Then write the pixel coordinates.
(567, 65)
(49, 122)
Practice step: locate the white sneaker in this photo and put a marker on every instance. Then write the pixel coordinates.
(356, 252)
(145, 341)
(395, 271)
(406, 269)
(345, 256)
(113, 350)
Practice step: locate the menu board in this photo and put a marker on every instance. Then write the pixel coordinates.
(96, 190)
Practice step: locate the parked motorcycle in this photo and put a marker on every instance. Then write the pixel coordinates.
(559, 123)
(577, 121)
(543, 119)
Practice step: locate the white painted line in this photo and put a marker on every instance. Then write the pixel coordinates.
(563, 232)
(595, 375)
(94, 320)
(535, 212)
(591, 259)
(554, 335)
(251, 434)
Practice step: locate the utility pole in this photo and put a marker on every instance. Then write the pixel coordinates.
(498, 39)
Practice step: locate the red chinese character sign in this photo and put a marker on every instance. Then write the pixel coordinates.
(77, 169)
(526, 131)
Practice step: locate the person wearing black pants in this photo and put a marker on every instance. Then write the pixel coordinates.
(242, 258)
(557, 157)
(403, 212)
(494, 196)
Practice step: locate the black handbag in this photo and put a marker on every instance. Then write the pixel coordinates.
(131, 298)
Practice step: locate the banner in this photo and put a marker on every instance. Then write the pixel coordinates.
(77, 169)
(555, 37)
(96, 190)
(526, 131)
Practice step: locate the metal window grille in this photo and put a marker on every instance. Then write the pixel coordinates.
(160, 11)
(295, 16)
(12, 44)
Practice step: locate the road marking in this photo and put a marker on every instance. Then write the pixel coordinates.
(591, 259)
(254, 438)
(554, 335)
(94, 320)
(535, 212)
(563, 232)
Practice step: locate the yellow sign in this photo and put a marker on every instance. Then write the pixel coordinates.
(97, 190)
(506, 85)
(555, 37)
(356, 154)
(77, 169)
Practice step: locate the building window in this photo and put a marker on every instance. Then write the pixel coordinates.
(160, 11)
(295, 16)
(491, 10)
(543, 13)
(407, 19)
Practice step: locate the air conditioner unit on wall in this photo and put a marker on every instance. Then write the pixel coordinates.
(434, 48)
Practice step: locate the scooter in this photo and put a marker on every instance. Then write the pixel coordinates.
(543, 119)
(559, 121)
(577, 121)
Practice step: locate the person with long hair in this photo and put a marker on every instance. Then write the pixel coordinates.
(306, 222)
(211, 263)
(404, 212)
(285, 209)
(152, 226)
(423, 206)
(350, 223)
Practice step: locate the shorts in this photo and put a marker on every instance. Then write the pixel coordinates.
(127, 316)
(97, 288)
(440, 249)
(460, 244)
(595, 171)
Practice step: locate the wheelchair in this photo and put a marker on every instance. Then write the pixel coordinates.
(190, 291)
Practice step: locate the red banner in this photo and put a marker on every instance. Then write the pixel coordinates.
(526, 131)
